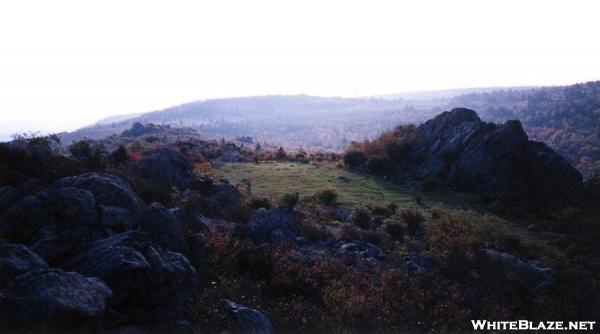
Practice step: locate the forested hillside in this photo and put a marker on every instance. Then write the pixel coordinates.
(566, 118)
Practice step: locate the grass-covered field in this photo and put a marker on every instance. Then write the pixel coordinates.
(273, 179)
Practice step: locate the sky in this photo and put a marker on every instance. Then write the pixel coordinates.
(66, 64)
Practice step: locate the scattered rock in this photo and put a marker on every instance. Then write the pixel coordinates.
(148, 282)
(107, 189)
(233, 156)
(11, 195)
(163, 228)
(264, 222)
(53, 300)
(73, 206)
(248, 320)
(541, 277)
(167, 166)
(24, 219)
(17, 259)
(115, 218)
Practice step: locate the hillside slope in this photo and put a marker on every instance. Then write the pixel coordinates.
(566, 118)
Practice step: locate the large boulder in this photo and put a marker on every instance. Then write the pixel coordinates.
(167, 166)
(22, 220)
(539, 275)
(498, 161)
(248, 320)
(149, 283)
(270, 225)
(11, 195)
(108, 189)
(163, 227)
(16, 259)
(56, 245)
(53, 300)
(72, 206)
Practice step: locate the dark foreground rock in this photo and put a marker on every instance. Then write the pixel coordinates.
(273, 225)
(169, 167)
(498, 161)
(149, 283)
(540, 276)
(53, 300)
(15, 260)
(108, 189)
(248, 320)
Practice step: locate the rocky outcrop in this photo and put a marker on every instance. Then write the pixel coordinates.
(169, 167)
(498, 161)
(148, 282)
(86, 225)
(53, 300)
(17, 259)
(539, 275)
(273, 225)
(108, 189)
(163, 227)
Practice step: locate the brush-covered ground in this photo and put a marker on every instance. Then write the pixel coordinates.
(300, 242)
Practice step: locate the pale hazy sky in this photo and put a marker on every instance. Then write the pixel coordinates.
(65, 64)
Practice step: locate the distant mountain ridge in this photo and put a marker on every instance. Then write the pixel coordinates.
(565, 117)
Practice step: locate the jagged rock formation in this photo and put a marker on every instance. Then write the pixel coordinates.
(111, 262)
(498, 161)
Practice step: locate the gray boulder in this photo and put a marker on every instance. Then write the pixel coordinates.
(11, 195)
(53, 300)
(149, 283)
(248, 320)
(115, 218)
(17, 259)
(163, 227)
(281, 221)
(57, 245)
(540, 276)
(169, 167)
(225, 195)
(107, 189)
(72, 206)
(24, 219)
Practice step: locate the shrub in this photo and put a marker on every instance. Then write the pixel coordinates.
(419, 199)
(354, 158)
(392, 207)
(379, 165)
(413, 218)
(281, 155)
(313, 232)
(260, 202)
(394, 228)
(91, 157)
(290, 199)
(327, 197)
(120, 155)
(452, 239)
(361, 218)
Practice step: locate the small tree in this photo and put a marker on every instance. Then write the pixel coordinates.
(120, 155)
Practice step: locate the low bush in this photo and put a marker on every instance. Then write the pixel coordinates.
(327, 197)
(354, 158)
(290, 199)
(413, 219)
(394, 228)
(361, 217)
(257, 202)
